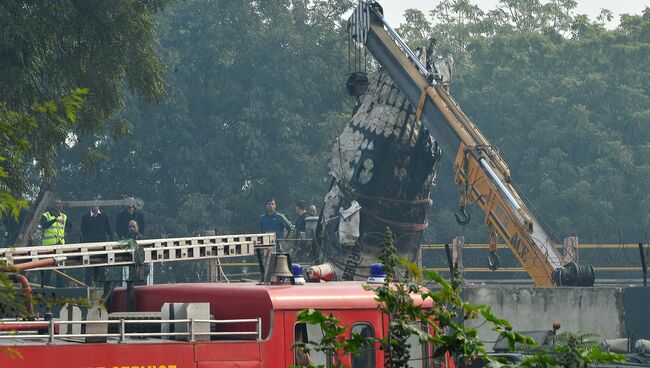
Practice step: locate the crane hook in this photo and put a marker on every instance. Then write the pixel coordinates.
(493, 261)
(462, 217)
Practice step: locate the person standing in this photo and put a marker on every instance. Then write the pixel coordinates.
(130, 213)
(134, 231)
(301, 212)
(274, 222)
(95, 227)
(312, 210)
(138, 273)
(54, 224)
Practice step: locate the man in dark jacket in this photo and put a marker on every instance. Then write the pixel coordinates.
(130, 213)
(134, 232)
(301, 214)
(95, 227)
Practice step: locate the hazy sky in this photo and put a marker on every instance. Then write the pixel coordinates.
(394, 9)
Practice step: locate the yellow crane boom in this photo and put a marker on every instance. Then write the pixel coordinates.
(480, 173)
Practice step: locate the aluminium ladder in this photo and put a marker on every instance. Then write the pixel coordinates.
(124, 253)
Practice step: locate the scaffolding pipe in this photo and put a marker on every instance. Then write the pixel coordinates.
(29, 265)
(26, 289)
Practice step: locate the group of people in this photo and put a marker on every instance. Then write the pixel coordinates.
(273, 221)
(95, 225)
(130, 224)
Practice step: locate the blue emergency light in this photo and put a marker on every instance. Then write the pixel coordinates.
(296, 269)
(377, 274)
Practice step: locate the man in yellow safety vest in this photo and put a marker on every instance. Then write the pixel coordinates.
(54, 224)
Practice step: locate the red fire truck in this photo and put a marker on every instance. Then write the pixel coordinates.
(203, 325)
(251, 326)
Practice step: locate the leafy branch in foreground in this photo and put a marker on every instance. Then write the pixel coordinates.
(569, 350)
(441, 309)
(437, 316)
(28, 139)
(33, 140)
(434, 316)
(331, 342)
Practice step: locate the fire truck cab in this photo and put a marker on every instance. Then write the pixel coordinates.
(249, 325)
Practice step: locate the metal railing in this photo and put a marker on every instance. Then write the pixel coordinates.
(609, 258)
(581, 246)
(521, 269)
(191, 332)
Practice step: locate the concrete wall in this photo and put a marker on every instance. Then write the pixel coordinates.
(598, 310)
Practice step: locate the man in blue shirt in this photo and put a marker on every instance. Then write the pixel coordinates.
(274, 222)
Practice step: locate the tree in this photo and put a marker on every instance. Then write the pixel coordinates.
(416, 28)
(563, 99)
(256, 94)
(567, 125)
(16, 132)
(51, 48)
(19, 144)
(49, 51)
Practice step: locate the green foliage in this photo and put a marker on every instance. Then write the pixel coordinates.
(21, 135)
(450, 313)
(396, 302)
(564, 100)
(571, 351)
(14, 302)
(388, 256)
(416, 28)
(255, 98)
(402, 301)
(331, 343)
(52, 47)
(27, 139)
(135, 249)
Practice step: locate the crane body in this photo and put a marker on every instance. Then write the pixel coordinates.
(481, 174)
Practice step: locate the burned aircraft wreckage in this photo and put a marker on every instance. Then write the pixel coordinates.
(383, 166)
